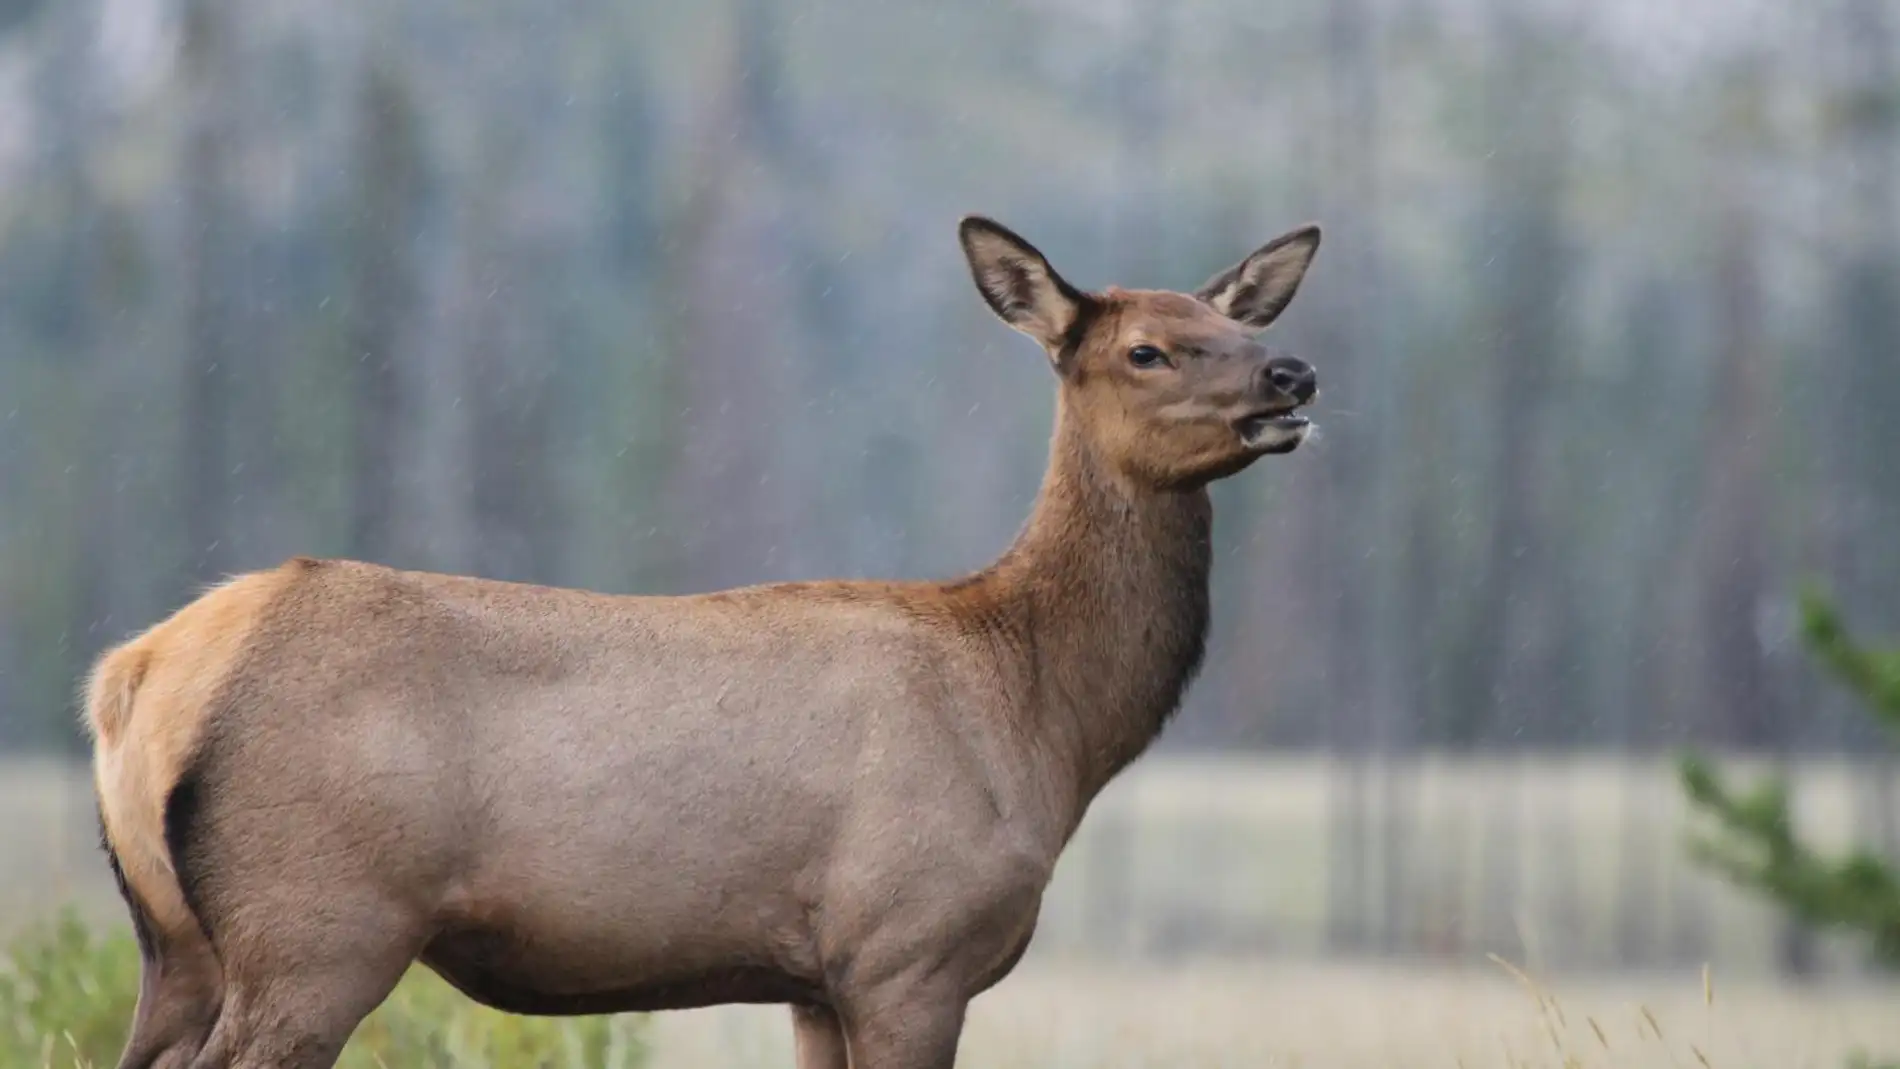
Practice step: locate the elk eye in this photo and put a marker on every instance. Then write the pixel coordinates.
(1147, 356)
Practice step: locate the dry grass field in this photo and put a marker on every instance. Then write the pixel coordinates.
(1547, 860)
(48, 845)
(1202, 1016)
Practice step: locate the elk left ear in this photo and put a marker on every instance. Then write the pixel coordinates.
(1256, 290)
(1017, 282)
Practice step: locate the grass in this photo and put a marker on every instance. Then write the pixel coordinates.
(1316, 1015)
(67, 994)
(1222, 846)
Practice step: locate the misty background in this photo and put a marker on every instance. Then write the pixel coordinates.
(667, 297)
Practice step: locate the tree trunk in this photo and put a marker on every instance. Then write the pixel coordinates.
(205, 266)
(383, 220)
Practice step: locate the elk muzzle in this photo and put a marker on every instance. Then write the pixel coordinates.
(1281, 386)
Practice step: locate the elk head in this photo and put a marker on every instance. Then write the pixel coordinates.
(1171, 390)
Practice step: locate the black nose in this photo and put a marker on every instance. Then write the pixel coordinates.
(1291, 375)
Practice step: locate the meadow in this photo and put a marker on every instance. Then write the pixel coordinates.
(65, 995)
(1187, 927)
(1314, 1015)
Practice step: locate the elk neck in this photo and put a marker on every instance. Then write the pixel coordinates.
(1102, 603)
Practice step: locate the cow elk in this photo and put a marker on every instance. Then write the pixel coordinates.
(846, 797)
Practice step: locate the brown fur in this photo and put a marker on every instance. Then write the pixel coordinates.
(846, 796)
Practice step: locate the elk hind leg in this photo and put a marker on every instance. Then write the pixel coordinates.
(179, 995)
(293, 996)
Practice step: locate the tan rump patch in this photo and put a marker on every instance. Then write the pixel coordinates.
(146, 706)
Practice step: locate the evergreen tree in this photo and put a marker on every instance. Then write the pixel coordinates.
(1755, 844)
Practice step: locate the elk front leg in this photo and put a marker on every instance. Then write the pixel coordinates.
(907, 1026)
(818, 1038)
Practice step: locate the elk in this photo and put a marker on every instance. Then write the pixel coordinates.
(846, 797)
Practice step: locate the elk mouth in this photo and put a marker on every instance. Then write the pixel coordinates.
(1278, 431)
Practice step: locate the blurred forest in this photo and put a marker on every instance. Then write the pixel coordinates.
(666, 297)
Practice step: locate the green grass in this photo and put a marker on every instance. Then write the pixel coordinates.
(67, 994)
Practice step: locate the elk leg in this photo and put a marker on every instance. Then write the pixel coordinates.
(293, 1021)
(818, 1038)
(910, 1027)
(177, 1006)
(294, 993)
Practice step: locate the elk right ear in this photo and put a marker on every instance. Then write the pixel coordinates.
(1018, 283)
(1256, 290)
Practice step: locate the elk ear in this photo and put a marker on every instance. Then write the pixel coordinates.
(1256, 290)
(1018, 283)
